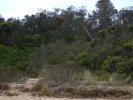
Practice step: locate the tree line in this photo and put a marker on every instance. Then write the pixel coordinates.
(71, 29)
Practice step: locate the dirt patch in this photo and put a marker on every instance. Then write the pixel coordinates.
(40, 88)
(81, 90)
(9, 90)
(4, 87)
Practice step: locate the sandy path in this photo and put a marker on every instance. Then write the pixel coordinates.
(28, 97)
(45, 98)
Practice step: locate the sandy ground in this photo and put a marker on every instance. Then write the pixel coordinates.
(13, 92)
(28, 97)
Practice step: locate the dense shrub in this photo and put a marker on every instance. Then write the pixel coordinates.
(126, 50)
(117, 64)
(14, 57)
(62, 38)
(84, 59)
(109, 64)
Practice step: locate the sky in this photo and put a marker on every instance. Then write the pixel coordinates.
(19, 8)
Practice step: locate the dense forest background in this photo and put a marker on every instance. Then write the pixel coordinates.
(69, 41)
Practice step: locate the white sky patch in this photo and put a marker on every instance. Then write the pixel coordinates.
(19, 8)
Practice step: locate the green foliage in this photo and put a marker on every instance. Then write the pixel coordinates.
(105, 13)
(102, 76)
(84, 59)
(14, 57)
(125, 66)
(59, 38)
(109, 64)
(129, 44)
(4, 27)
(117, 64)
(103, 34)
(32, 41)
(125, 16)
(52, 59)
(118, 76)
(59, 20)
(130, 28)
(126, 50)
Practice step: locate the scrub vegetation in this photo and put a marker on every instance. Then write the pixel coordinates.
(68, 45)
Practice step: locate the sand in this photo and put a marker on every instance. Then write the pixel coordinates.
(28, 97)
(14, 91)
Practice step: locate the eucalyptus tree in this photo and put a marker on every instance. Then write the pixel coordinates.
(126, 15)
(104, 15)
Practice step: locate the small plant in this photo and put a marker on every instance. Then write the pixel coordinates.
(102, 76)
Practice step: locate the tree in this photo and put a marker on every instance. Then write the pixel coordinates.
(106, 13)
(74, 22)
(1, 19)
(126, 16)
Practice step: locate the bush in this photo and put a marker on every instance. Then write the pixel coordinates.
(125, 67)
(126, 50)
(61, 73)
(109, 64)
(84, 59)
(130, 28)
(14, 57)
(102, 76)
(10, 75)
(116, 77)
(102, 34)
(117, 64)
(32, 40)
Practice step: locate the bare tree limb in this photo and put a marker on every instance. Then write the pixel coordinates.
(88, 34)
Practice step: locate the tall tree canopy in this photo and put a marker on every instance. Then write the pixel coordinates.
(105, 14)
(126, 16)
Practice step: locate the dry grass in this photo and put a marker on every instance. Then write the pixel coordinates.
(74, 82)
(66, 81)
(80, 90)
(10, 75)
(61, 73)
(77, 89)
